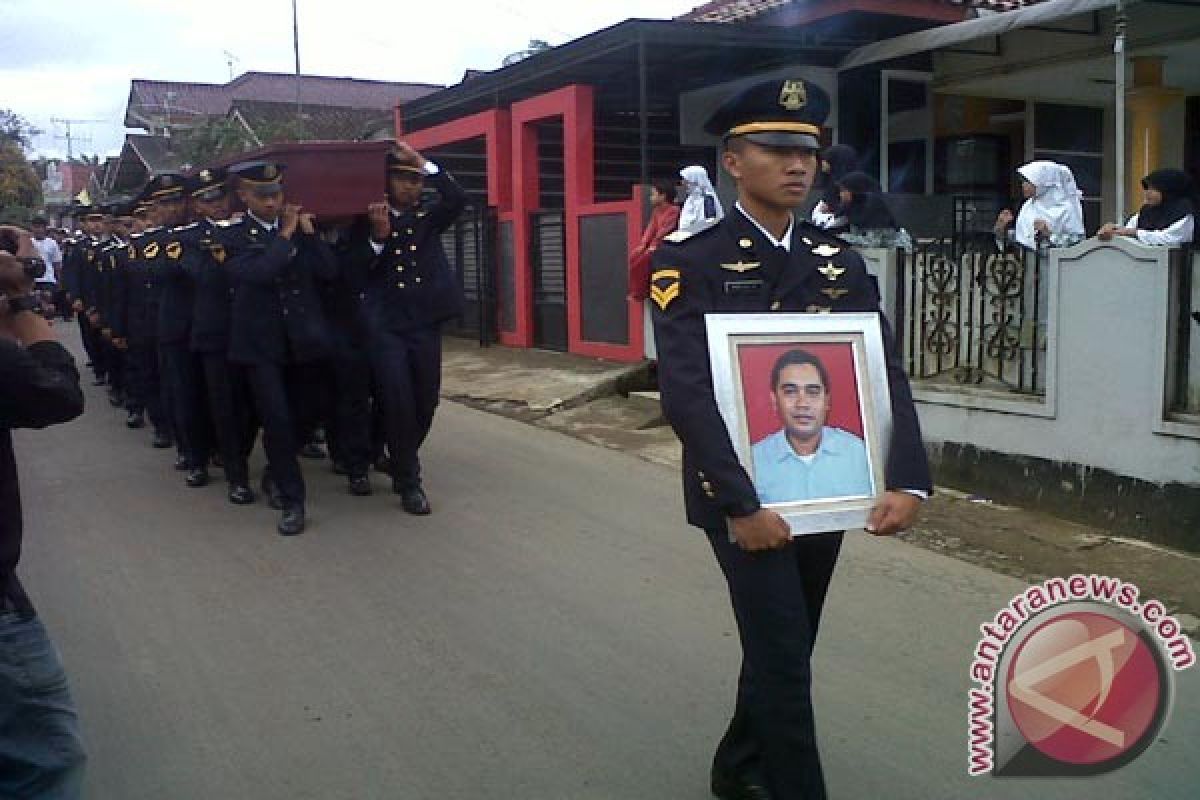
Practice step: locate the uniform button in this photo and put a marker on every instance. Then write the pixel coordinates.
(775, 306)
(399, 268)
(412, 247)
(409, 231)
(395, 235)
(397, 252)
(401, 285)
(707, 487)
(418, 279)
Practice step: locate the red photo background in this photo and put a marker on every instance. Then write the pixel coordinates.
(756, 362)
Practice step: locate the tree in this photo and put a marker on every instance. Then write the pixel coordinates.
(20, 189)
(16, 129)
(212, 139)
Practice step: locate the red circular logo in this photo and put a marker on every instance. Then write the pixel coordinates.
(1084, 688)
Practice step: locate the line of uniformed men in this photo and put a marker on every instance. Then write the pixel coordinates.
(216, 326)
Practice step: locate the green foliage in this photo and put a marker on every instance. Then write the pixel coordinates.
(20, 189)
(16, 129)
(211, 140)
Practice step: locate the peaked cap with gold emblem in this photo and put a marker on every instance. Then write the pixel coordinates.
(164, 186)
(261, 177)
(207, 184)
(785, 112)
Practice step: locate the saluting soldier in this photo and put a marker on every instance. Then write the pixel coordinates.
(228, 396)
(762, 258)
(409, 291)
(277, 330)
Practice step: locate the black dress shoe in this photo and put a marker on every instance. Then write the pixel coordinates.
(412, 499)
(312, 450)
(162, 441)
(241, 495)
(271, 492)
(737, 787)
(135, 420)
(292, 521)
(197, 477)
(360, 485)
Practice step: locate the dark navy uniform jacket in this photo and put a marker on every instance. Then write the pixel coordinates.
(178, 291)
(276, 316)
(204, 262)
(689, 279)
(137, 318)
(410, 284)
(111, 264)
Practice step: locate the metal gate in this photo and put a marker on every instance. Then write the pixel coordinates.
(548, 257)
(470, 245)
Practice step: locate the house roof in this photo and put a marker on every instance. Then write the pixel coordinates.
(183, 100)
(337, 123)
(734, 11)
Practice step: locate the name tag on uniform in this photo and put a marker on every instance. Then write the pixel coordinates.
(743, 288)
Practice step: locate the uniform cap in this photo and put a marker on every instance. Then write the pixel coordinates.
(785, 112)
(262, 177)
(207, 184)
(164, 186)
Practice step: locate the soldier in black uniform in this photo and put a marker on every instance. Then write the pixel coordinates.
(410, 291)
(136, 324)
(228, 396)
(274, 258)
(181, 369)
(762, 258)
(111, 261)
(80, 274)
(119, 307)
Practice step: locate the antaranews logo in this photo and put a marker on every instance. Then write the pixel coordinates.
(1074, 677)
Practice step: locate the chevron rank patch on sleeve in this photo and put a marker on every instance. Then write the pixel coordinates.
(664, 287)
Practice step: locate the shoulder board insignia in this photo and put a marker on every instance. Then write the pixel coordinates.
(174, 250)
(742, 266)
(826, 250)
(217, 251)
(831, 271)
(664, 287)
(834, 294)
(151, 250)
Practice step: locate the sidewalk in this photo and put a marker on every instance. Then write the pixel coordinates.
(584, 398)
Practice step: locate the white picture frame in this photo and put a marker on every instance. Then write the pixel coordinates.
(739, 345)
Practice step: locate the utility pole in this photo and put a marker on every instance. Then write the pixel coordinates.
(67, 123)
(296, 48)
(230, 59)
(1120, 26)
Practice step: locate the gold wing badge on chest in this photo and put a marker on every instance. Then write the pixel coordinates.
(664, 287)
(742, 266)
(831, 271)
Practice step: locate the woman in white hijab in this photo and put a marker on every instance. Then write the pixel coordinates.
(1052, 212)
(702, 207)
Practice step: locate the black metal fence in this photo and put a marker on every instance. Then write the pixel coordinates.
(470, 245)
(972, 314)
(1184, 338)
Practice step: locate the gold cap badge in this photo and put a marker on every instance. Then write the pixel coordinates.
(793, 96)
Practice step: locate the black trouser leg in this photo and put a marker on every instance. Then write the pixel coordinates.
(350, 433)
(408, 370)
(229, 407)
(777, 598)
(181, 372)
(89, 342)
(269, 390)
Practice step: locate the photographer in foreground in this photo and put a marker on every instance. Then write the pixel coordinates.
(41, 755)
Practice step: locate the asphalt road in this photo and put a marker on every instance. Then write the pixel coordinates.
(554, 630)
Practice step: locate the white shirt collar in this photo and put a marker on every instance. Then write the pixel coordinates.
(785, 242)
(270, 226)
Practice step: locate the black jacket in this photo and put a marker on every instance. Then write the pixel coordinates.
(410, 283)
(178, 291)
(137, 318)
(40, 387)
(204, 262)
(731, 267)
(276, 316)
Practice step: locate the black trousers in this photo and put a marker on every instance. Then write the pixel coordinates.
(183, 374)
(349, 410)
(777, 599)
(283, 397)
(408, 373)
(143, 383)
(87, 334)
(232, 412)
(114, 360)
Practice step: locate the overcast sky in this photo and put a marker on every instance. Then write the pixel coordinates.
(74, 59)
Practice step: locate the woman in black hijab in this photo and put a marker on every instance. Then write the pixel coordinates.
(862, 204)
(837, 161)
(1167, 217)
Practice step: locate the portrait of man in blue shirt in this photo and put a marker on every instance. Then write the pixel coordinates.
(807, 459)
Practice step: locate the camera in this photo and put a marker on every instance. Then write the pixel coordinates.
(33, 266)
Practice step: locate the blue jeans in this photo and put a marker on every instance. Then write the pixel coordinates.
(41, 753)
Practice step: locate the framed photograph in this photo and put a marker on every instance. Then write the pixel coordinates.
(805, 398)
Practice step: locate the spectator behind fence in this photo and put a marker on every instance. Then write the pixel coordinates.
(1052, 214)
(1167, 217)
(837, 162)
(869, 221)
(41, 755)
(664, 219)
(701, 208)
